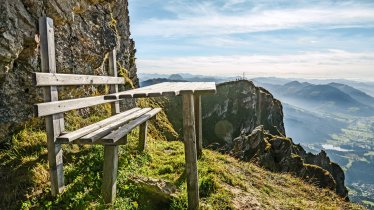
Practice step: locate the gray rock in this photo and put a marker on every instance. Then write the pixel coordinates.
(280, 154)
(85, 31)
(158, 191)
(238, 106)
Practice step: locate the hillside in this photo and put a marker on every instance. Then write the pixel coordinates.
(225, 182)
(347, 137)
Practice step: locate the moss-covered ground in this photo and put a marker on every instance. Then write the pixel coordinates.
(225, 182)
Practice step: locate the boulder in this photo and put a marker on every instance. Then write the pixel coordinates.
(280, 154)
(155, 191)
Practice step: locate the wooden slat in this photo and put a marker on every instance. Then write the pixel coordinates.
(98, 134)
(49, 108)
(167, 89)
(48, 79)
(54, 123)
(69, 137)
(118, 134)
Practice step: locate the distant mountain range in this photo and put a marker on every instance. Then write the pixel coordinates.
(146, 80)
(330, 98)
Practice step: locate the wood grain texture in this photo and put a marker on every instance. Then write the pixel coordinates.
(54, 123)
(143, 136)
(118, 134)
(54, 107)
(110, 167)
(71, 136)
(49, 79)
(190, 151)
(167, 89)
(100, 133)
(198, 126)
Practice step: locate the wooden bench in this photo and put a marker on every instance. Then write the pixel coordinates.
(110, 132)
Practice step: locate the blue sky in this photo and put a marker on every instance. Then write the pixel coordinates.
(310, 39)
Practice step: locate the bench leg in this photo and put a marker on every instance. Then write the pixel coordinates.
(198, 126)
(109, 186)
(143, 136)
(54, 126)
(190, 152)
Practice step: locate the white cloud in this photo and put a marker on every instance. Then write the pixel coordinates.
(307, 64)
(207, 21)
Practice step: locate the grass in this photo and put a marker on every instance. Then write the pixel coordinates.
(224, 182)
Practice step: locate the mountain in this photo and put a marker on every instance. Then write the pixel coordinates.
(248, 123)
(358, 95)
(346, 135)
(326, 98)
(175, 77)
(156, 81)
(154, 179)
(310, 127)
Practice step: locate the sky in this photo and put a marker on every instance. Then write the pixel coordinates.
(295, 38)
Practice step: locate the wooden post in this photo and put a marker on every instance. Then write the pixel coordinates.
(110, 168)
(54, 123)
(190, 151)
(198, 126)
(143, 135)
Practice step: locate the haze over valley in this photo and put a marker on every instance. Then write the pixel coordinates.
(332, 115)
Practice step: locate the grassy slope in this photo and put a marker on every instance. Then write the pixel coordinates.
(225, 182)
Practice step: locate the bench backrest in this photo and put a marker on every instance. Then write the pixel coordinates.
(54, 109)
(50, 79)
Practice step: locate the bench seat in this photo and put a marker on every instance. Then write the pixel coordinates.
(110, 130)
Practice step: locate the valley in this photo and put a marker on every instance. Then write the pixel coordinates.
(332, 115)
(339, 121)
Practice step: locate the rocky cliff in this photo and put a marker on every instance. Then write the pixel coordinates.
(239, 106)
(247, 122)
(280, 154)
(85, 31)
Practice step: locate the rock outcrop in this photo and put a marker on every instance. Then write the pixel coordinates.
(238, 106)
(280, 154)
(157, 191)
(85, 31)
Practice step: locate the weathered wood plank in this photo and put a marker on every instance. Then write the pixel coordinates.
(113, 88)
(54, 123)
(198, 126)
(118, 134)
(49, 108)
(48, 79)
(110, 168)
(69, 137)
(111, 152)
(143, 136)
(167, 89)
(190, 152)
(100, 133)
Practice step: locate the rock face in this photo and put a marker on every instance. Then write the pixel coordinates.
(238, 106)
(156, 191)
(85, 31)
(280, 154)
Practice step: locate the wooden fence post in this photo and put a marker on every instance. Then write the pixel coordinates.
(198, 126)
(54, 123)
(190, 151)
(110, 168)
(143, 136)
